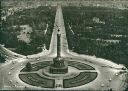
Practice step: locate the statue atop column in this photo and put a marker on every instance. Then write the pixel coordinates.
(59, 66)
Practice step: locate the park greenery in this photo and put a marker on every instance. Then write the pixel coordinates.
(80, 66)
(38, 19)
(98, 31)
(81, 79)
(2, 59)
(35, 67)
(36, 80)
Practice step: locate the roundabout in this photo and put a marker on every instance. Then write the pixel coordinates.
(79, 74)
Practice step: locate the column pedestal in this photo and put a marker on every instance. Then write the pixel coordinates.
(59, 66)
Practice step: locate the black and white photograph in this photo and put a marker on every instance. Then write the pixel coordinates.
(64, 45)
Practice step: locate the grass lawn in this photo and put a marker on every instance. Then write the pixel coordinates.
(35, 80)
(81, 79)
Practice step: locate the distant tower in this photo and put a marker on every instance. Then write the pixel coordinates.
(59, 66)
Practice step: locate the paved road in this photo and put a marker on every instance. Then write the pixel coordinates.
(9, 54)
(108, 72)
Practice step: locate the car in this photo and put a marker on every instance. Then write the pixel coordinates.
(12, 68)
(117, 74)
(10, 81)
(110, 79)
(13, 62)
(9, 73)
(102, 85)
(14, 85)
(16, 55)
(124, 68)
(38, 59)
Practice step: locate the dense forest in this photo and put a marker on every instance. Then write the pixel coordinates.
(98, 31)
(40, 20)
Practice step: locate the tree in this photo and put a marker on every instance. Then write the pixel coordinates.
(2, 59)
(28, 66)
